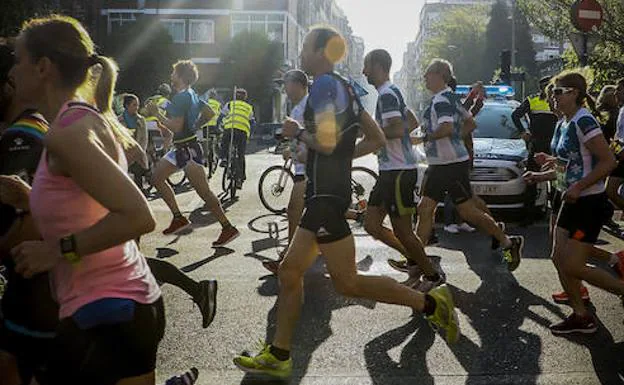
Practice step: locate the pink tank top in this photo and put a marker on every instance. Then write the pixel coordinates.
(60, 207)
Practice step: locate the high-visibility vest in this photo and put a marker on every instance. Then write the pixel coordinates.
(238, 117)
(160, 101)
(216, 108)
(539, 105)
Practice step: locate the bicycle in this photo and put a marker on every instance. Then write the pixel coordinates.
(232, 175)
(210, 144)
(276, 183)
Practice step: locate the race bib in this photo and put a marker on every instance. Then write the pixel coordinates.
(561, 168)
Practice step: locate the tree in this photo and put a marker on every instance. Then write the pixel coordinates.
(498, 37)
(14, 12)
(250, 61)
(145, 53)
(459, 37)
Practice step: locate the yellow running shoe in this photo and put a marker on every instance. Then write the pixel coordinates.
(264, 363)
(444, 317)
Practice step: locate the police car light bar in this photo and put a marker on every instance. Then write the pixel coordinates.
(491, 91)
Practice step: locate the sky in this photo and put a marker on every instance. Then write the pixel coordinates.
(387, 24)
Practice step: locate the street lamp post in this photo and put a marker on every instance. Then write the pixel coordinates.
(513, 34)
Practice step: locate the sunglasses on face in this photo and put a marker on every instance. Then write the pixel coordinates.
(558, 91)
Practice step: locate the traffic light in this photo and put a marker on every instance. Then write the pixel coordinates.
(505, 62)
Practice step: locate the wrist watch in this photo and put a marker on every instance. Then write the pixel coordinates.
(68, 249)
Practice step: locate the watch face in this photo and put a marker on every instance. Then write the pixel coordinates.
(67, 245)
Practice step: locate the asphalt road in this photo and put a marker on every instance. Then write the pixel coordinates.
(504, 317)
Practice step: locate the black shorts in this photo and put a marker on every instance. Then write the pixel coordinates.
(395, 191)
(183, 153)
(30, 353)
(104, 354)
(584, 218)
(453, 179)
(618, 172)
(325, 217)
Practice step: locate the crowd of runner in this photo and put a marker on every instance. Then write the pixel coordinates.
(79, 286)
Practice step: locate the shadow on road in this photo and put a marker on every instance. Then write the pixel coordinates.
(314, 324)
(220, 252)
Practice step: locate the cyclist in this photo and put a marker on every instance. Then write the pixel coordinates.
(182, 116)
(211, 127)
(446, 121)
(393, 193)
(237, 118)
(137, 125)
(296, 86)
(161, 100)
(334, 117)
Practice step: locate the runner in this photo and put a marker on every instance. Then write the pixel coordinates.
(296, 86)
(393, 194)
(581, 163)
(137, 125)
(334, 116)
(107, 295)
(182, 116)
(449, 163)
(29, 314)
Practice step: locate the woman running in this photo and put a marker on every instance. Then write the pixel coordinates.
(88, 212)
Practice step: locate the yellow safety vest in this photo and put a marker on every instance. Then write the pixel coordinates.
(238, 117)
(216, 108)
(160, 101)
(539, 106)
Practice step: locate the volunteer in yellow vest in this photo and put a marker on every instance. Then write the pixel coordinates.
(215, 105)
(542, 122)
(237, 120)
(161, 100)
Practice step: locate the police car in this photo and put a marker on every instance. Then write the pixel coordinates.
(500, 155)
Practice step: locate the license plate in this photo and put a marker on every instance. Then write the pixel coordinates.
(485, 190)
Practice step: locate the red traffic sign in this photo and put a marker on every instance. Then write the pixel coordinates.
(587, 15)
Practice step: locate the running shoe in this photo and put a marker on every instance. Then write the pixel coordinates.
(400, 265)
(466, 228)
(272, 266)
(452, 228)
(228, 234)
(178, 224)
(188, 378)
(575, 324)
(495, 242)
(513, 255)
(444, 317)
(562, 298)
(264, 363)
(207, 301)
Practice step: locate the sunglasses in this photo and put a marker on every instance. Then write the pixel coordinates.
(558, 91)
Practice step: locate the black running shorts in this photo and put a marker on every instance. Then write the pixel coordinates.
(105, 354)
(325, 217)
(29, 352)
(453, 178)
(584, 218)
(395, 191)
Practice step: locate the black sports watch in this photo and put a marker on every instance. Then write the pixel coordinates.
(68, 249)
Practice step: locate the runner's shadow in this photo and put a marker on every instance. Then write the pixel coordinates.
(412, 367)
(165, 252)
(203, 217)
(219, 252)
(313, 327)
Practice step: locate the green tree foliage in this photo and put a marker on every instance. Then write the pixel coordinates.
(145, 53)
(14, 12)
(553, 19)
(251, 60)
(459, 37)
(498, 37)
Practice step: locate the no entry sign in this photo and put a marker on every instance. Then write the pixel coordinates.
(587, 15)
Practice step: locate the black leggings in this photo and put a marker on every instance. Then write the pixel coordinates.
(166, 272)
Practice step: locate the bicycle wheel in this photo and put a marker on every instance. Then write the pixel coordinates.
(362, 182)
(274, 187)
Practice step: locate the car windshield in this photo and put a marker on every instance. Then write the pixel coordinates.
(494, 121)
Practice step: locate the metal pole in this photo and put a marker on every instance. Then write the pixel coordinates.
(584, 56)
(513, 36)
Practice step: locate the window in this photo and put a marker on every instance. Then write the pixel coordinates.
(275, 32)
(116, 20)
(201, 31)
(176, 29)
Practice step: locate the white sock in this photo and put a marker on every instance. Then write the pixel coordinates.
(613, 260)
